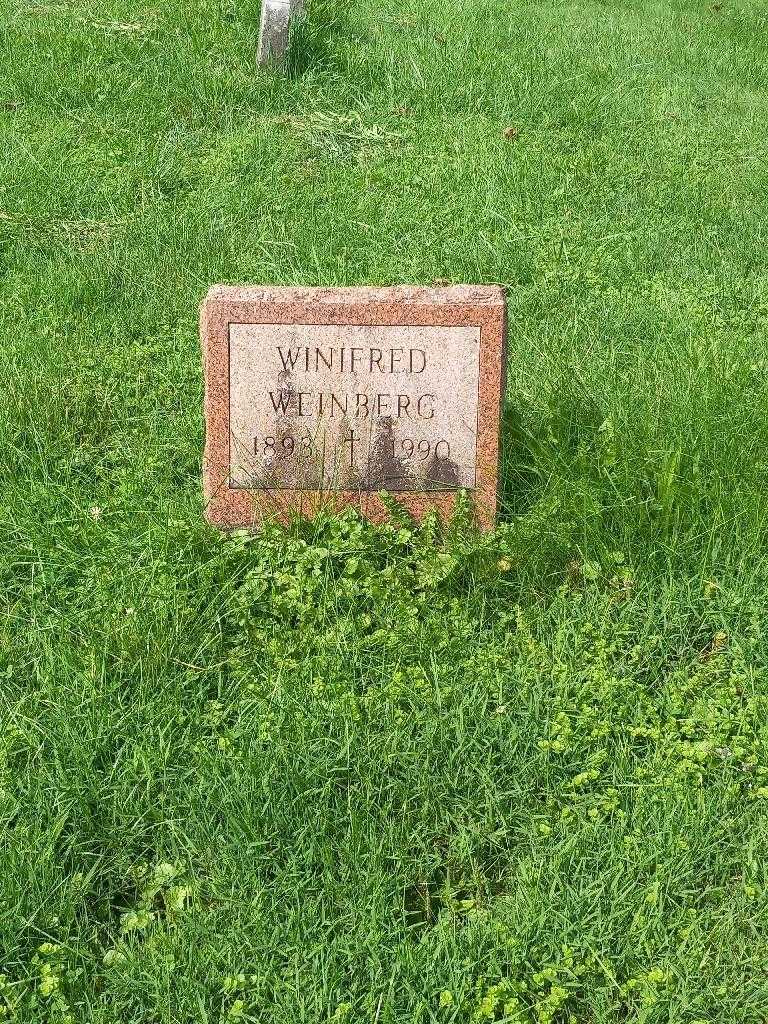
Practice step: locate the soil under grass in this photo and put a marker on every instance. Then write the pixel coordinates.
(387, 776)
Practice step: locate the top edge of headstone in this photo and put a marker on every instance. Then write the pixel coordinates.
(454, 294)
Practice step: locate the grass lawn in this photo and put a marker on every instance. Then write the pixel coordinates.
(387, 776)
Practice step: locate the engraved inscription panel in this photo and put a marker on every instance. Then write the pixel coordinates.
(353, 408)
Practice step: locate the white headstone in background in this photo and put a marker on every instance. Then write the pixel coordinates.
(275, 26)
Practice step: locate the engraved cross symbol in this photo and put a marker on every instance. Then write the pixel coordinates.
(351, 441)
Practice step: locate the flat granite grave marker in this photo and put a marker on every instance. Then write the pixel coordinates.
(328, 396)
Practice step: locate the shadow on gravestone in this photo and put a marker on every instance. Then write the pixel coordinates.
(274, 31)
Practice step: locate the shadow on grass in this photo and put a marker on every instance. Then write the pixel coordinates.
(312, 35)
(520, 479)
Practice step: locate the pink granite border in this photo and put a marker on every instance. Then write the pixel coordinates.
(454, 306)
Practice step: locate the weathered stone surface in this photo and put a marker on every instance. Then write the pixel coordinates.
(333, 395)
(275, 27)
